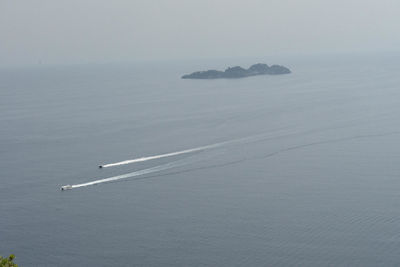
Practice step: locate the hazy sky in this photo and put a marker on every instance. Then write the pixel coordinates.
(81, 31)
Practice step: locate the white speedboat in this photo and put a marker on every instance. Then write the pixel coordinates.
(66, 187)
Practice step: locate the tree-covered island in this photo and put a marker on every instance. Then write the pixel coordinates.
(239, 72)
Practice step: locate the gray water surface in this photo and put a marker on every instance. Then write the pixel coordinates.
(307, 175)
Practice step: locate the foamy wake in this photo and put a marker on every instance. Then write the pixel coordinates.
(177, 153)
(187, 161)
(133, 174)
(248, 139)
(191, 150)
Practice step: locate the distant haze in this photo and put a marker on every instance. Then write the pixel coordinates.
(57, 32)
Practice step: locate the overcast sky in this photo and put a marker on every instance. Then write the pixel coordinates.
(82, 31)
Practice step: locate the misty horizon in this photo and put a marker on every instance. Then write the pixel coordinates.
(78, 32)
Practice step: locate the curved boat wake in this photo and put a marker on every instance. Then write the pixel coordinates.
(177, 153)
(155, 169)
(185, 161)
(249, 139)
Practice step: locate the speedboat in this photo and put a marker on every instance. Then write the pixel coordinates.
(66, 187)
(100, 166)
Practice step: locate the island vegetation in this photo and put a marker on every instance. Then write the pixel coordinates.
(8, 262)
(239, 72)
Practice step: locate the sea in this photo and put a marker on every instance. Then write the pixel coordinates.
(288, 170)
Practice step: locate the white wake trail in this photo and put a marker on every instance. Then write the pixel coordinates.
(197, 149)
(133, 174)
(253, 138)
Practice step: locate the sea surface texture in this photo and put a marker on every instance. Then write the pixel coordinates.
(293, 170)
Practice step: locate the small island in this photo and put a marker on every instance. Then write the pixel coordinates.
(239, 72)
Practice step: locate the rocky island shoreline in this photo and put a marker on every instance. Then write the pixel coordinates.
(239, 72)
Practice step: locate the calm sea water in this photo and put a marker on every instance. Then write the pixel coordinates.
(306, 173)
